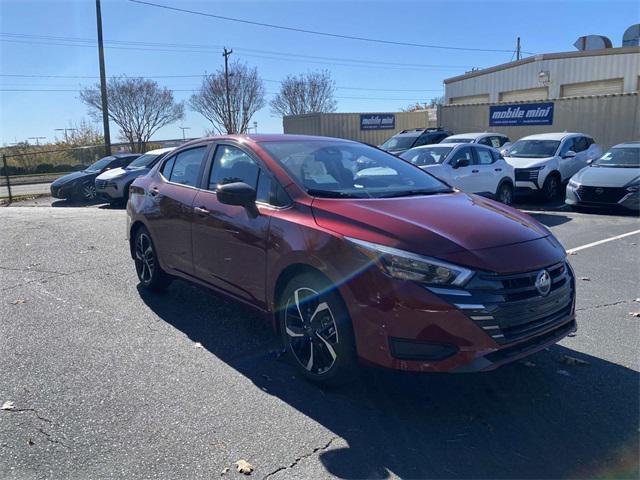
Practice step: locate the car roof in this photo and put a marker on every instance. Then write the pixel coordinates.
(554, 136)
(159, 151)
(474, 135)
(264, 137)
(627, 145)
(124, 155)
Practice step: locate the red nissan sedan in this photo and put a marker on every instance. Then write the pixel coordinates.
(354, 254)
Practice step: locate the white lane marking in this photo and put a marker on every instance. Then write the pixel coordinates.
(600, 242)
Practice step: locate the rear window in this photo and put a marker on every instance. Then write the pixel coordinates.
(399, 142)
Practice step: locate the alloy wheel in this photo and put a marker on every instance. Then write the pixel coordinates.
(506, 195)
(145, 261)
(311, 330)
(89, 191)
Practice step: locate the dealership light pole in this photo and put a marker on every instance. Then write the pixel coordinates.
(226, 83)
(183, 129)
(65, 130)
(37, 139)
(103, 83)
(518, 51)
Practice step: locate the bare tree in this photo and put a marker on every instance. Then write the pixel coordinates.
(310, 92)
(415, 107)
(246, 96)
(138, 106)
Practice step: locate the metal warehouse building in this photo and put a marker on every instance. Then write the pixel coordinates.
(592, 91)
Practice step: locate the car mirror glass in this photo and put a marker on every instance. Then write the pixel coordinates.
(569, 154)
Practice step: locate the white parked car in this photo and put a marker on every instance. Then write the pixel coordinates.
(490, 139)
(544, 162)
(472, 168)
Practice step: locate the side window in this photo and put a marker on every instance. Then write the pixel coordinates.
(486, 141)
(503, 140)
(484, 156)
(496, 155)
(463, 153)
(165, 170)
(186, 166)
(269, 191)
(590, 141)
(581, 144)
(568, 145)
(424, 140)
(233, 165)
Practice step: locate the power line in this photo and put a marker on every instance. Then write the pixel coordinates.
(315, 32)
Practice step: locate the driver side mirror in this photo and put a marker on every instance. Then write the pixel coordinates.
(236, 193)
(569, 154)
(461, 162)
(590, 161)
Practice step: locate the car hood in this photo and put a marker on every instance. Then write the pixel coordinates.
(110, 174)
(429, 225)
(70, 177)
(522, 162)
(606, 176)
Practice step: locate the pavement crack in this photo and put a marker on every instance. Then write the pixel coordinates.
(302, 457)
(32, 410)
(49, 438)
(603, 305)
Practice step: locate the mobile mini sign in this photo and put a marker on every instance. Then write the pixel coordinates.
(377, 121)
(521, 114)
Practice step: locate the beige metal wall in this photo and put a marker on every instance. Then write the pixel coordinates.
(610, 119)
(347, 125)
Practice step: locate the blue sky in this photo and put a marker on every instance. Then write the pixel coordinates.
(544, 26)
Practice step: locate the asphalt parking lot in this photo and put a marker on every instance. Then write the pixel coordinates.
(108, 381)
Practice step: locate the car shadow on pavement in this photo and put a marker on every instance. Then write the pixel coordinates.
(551, 220)
(544, 418)
(76, 203)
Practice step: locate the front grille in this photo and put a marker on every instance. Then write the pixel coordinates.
(527, 175)
(510, 308)
(601, 194)
(101, 183)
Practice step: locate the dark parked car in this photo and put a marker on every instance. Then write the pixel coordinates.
(383, 264)
(81, 185)
(416, 137)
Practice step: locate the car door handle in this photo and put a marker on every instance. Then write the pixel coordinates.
(153, 191)
(475, 171)
(498, 169)
(201, 211)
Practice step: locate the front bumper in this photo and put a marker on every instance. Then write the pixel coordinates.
(588, 196)
(62, 191)
(108, 190)
(412, 328)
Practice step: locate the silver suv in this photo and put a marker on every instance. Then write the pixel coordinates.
(113, 185)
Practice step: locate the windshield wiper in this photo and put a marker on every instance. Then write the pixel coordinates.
(413, 193)
(331, 194)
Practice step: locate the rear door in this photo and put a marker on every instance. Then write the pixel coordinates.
(229, 241)
(463, 178)
(488, 176)
(173, 190)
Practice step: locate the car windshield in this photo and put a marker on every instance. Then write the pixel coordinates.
(144, 161)
(351, 170)
(458, 140)
(424, 156)
(100, 164)
(620, 158)
(399, 142)
(533, 148)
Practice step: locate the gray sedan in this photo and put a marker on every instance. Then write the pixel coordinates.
(613, 180)
(113, 185)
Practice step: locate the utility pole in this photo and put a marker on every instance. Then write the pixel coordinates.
(103, 83)
(183, 129)
(230, 128)
(65, 130)
(518, 52)
(37, 139)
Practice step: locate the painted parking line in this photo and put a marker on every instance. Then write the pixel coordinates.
(600, 242)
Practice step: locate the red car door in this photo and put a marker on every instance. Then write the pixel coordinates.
(173, 190)
(229, 241)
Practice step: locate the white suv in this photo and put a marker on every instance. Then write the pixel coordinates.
(543, 162)
(470, 167)
(490, 139)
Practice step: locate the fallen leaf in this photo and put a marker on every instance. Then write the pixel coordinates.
(634, 314)
(528, 364)
(30, 442)
(8, 405)
(568, 360)
(573, 253)
(198, 345)
(244, 467)
(224, 471)
(586, 279)
(637, 300)
(563, 372)
(19, 301)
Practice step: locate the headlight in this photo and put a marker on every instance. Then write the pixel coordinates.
(633, 188)
(411, 266)
(573, 184)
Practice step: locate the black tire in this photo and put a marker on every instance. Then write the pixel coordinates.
(505, 193)
(87, 192)
(316, 330)
(150, 274)
(551, 187)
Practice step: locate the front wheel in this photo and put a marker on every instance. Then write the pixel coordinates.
(551, 187)
(88, 191)
(505, 193)
(148, 268)
(316, 330)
